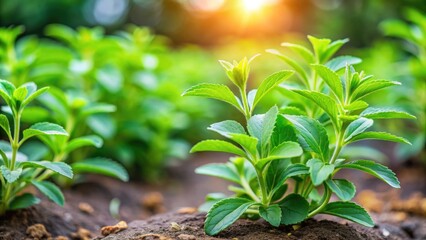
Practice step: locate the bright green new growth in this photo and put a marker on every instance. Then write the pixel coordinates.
(301, 142)
(17, 172)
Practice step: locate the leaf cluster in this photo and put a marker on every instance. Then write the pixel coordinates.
(302, 146)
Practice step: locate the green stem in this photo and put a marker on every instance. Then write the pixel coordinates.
(249, 190)
(262, 185)
(247, 111)
(15, 145)
(338, 148)
(324, 202)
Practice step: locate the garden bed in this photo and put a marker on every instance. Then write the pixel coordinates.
(186, 189)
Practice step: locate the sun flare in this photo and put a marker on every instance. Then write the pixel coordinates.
(253, 5)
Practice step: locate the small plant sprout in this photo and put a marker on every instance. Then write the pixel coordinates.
(17, 172)
(276, 148)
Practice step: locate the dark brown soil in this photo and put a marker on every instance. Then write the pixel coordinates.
(190, 226)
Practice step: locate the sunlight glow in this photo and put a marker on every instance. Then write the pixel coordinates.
(253, 5)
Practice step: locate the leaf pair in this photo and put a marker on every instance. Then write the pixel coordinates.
(290, 210)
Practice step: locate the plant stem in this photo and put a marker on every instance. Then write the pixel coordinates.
(15, 145)
(247, 111)
(324, 201)
(338, 148)
(262, 185)
(248, 189)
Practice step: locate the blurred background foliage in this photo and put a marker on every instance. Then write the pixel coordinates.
(138, 56)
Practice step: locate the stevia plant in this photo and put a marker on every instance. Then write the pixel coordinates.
(17, 172)
(274, 149)
(23, 60)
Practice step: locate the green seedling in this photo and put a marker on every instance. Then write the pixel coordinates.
(274, 149)
(17, 172)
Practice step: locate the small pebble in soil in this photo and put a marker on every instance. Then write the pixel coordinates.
(176, 227)
(154, 202)
(120, 226)
(38, 232)
(86, 208)
(61, 238)
(186, 237)
(81, 234)
(152, 236)
(385, 232)
(187, 210)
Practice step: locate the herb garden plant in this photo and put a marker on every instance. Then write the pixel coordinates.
(302, 146)
(17, 172)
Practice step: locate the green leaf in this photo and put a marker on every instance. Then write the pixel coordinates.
(332, 80)
(227, 127)
(283, 132)
(102, 166)
(272, 214)
(326, 103)
(284, 150)
(294, 209)
(332, 49)
(301, 50)
(313, 136)
(219, 170)
(369, 86)
(210, 200)
(280, 175)
(34, 95)
(23, 201)
(319, 171)
(20, 93)
(6, 90)
(356, 105)
(10, 176)
(51, 191)
(90, 140)
(95, 108)
(216, 91)
(378, 136)
(270, 83)
(261, 126)
(344, 189)
(248, 143)
(224, 213)
(350, 211)
(44, 128)
(384, 113)
(296, 66)
(320, 47)
(357, 127)
(102, 124)
(340, 62)
(4, 123)
(287, 150)
(57, 167)
(217, 146)
(381, 172)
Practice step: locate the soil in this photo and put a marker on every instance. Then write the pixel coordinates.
(190, 226)
(87, 208)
